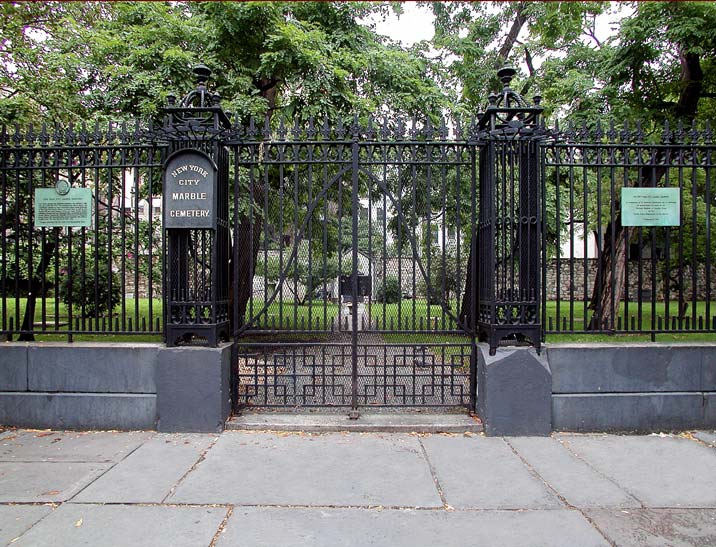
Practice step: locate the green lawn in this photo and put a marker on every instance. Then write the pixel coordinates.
(632, 318)
(408, 315)
(287, 315)
(134, 316)
(414, 314)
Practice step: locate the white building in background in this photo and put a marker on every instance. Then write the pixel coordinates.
(145, 209)
(578, 249)
(441, 236)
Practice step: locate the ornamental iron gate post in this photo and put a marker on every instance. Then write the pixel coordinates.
(196, 219)
(509, 227)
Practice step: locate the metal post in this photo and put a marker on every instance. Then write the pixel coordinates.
(354, 281)
(509, 222)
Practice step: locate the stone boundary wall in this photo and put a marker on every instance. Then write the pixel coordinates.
(632, 387)
(567, 284)
(574, 284)
(568, 387)
(114, 386)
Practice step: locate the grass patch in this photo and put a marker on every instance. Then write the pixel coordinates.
(288, 315)
(414, 314)
(572, 316)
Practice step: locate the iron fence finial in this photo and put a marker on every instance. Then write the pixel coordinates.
(202, 73)
(505, 74)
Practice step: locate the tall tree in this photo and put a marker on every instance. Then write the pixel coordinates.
(658, 65)
(114, 60)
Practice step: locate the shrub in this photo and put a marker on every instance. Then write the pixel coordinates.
(388, 291)
(105, 300)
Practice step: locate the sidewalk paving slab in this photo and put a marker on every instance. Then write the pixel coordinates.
(484, 473)
(17, 519)
(149, 473)
(660, 471)
(657, 527)
(329, 469)
(78, 446)
(708, 437)
(74, 525)
(573, 479)
(33, 482)
(355, 489)
(270, 527)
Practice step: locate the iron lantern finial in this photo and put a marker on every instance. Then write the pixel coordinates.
(202, 73)
(505, 74)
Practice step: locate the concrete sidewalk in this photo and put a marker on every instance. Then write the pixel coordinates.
(356, 489)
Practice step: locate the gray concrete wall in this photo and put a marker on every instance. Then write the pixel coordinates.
(632, 387)
(114, 386)
(584, 387)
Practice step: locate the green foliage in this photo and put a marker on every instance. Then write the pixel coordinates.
(91, 292)
(388, 291)
(71, 61)
(87, 280)
(640, 71)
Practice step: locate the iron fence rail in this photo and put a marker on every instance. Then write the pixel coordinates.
(98, 279)
(77, 275)
(600, 277)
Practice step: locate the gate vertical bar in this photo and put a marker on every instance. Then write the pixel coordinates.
(475, 273)
(354, 274)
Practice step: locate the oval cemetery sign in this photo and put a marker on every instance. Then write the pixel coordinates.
(189, 190)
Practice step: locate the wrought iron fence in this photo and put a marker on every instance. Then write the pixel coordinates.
(598, 276)
(634, 261)
(100, 273)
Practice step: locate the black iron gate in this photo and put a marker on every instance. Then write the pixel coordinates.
(356, 245)
(354, 250)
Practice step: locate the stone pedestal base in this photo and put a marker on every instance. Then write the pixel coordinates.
(193, 389)
(514, 391)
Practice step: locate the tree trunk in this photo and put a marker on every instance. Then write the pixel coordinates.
(468, 307)
(34, 285)
(692, 77)
(608, 287)
(246, 262)
(517, 24)
(605, 290)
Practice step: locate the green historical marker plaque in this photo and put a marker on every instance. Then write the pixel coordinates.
(651, 207)
(63, 206)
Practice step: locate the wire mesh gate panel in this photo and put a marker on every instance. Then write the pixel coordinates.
(349, 265)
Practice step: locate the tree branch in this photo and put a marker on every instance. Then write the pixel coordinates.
(511, 38)
(531, 69)
(590, 32)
